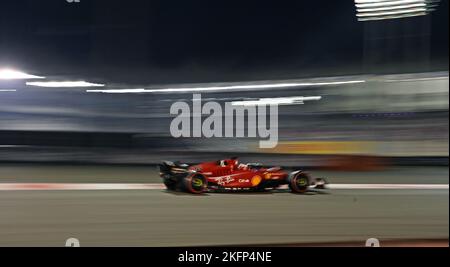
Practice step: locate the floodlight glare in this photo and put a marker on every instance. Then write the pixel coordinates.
(8, 74)
(367, 10)
(64, 84)
(296, 100)
(224, 88)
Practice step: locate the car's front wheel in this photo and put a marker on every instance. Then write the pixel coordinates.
(299, 182)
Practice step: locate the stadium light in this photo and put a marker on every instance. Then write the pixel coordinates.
(367, 10)
(281, 101)
(223, 88)
(65, 84)
(8, 74)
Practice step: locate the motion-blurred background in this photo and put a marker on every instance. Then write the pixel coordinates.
(86, 88)
(395, 113)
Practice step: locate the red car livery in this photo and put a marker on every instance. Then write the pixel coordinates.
(230, 175)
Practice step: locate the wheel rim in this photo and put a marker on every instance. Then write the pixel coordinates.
(302, 182)
(197, 184)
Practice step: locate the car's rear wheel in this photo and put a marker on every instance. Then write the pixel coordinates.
(299, 182)
(195, 183)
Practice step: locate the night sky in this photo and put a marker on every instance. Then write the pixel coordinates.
(169, 41)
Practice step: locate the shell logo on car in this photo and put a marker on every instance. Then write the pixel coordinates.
(256, 180)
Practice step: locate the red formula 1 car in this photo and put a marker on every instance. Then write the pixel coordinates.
(229, 175)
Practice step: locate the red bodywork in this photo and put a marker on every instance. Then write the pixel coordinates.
(230, 174)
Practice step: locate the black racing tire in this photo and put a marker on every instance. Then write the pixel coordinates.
(170, 184)
(195, 183)
(299, 182)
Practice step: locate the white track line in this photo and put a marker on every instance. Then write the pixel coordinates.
(389, 186)
(79, 186)
(76, 186)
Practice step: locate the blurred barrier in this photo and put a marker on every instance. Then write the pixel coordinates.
(43, 155)
(357, 163)
(352, 148)
(382, 120)
(323, 148)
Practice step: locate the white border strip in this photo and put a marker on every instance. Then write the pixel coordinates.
(389, 186)
(76, 186)
(90, 187)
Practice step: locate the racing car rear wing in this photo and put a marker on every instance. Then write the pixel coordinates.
(171, 168)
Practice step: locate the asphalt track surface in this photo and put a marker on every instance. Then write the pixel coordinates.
(159, 218)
